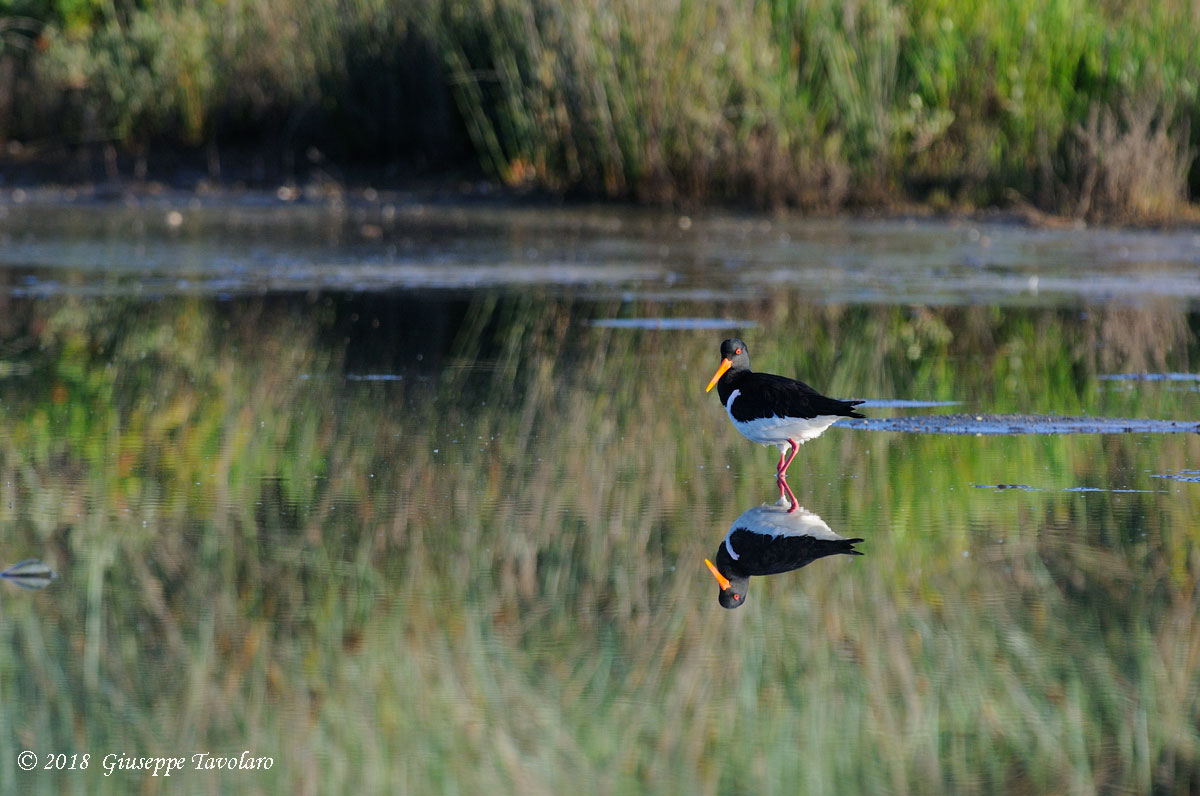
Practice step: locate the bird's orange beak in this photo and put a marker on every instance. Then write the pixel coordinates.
(725, 365)
(724, 581)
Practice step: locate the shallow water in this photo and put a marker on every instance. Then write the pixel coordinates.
(416, 498)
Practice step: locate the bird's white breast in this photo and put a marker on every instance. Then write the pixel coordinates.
(778, 430)
(776, 521)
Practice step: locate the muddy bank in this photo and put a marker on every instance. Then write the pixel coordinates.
(988, 425)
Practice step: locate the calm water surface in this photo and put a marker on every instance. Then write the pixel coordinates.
(415, 498)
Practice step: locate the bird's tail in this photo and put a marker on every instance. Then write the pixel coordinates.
(847, 547)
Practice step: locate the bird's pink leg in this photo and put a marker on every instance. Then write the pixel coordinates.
(779, 467)
(786, 491)
(782, 470)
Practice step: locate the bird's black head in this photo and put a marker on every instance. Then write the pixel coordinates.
(729, 598)
(734, 357)
(733, 591)
(733, 348)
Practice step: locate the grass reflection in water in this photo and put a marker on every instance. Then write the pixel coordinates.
(485, 572)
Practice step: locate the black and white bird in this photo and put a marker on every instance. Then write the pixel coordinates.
(770, 409)
(768, 540)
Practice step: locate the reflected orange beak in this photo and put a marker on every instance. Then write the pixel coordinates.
(725, 365)
(724, 581)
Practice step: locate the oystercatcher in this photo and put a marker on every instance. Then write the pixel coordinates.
(770, 409)
(768, 540)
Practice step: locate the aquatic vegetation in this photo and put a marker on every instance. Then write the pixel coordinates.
(1078, 107)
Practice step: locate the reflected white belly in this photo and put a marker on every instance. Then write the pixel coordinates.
(776, 520)
(778, 430)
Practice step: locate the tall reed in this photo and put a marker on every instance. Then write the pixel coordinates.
(815, 104)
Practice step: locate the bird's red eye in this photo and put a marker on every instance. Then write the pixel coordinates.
(737, 350)
(737, 596)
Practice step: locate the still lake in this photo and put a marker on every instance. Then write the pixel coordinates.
(415, 497)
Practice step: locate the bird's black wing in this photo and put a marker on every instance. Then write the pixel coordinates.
(767, 395)
(763, 554)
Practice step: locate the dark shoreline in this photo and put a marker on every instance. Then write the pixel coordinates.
(86, 176)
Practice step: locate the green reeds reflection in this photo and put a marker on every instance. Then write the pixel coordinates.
(487, 571)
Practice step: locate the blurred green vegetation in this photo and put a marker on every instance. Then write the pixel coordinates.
(1076, 106)
(484, 575)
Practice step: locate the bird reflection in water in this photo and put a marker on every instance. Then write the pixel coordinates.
(768, 540)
